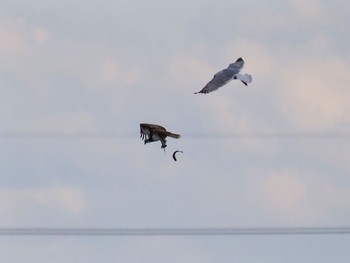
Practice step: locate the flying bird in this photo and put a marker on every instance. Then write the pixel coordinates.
(226, 75)
(174, 155)
(153, 132)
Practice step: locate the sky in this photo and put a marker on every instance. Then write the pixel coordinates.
(78, 77)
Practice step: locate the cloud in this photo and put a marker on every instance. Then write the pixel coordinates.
(296, 196)
(310, 10)
(75, 82)
(306, 88)
(12, 38)
(59, 199)
(189, 67)
(284, 192)
(61, 123)
(59, 82)
(313, 92)
(17, 36)
(111, 73)
(41, 35)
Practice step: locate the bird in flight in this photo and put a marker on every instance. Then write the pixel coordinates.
(153, 132)
(226, 75)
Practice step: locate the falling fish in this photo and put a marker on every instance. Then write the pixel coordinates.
(174, 155)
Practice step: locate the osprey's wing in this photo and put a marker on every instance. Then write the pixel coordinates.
(147, 129)
(152, 127)
(237, 66)
(220, 79)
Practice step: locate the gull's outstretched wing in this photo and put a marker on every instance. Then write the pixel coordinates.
(223, 77)
(237, 66)
(220, 79)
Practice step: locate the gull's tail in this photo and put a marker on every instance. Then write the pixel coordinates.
(245, 78)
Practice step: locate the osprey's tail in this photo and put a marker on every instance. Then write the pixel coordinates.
(173, 135)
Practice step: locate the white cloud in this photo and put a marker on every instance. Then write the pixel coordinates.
(295, 196)
(66, 199)
(113, 74)
(310, 10)
(284, 192)
(18, 37)
(314, 94)
(12, 38)
(41, 35)
(74, 122)
(307, 86)
(190, 70)
(259, 60)
(99, 67)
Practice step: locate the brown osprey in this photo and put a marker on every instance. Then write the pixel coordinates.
(225, 76)
(154, 132)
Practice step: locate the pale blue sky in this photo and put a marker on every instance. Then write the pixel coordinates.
(73, 68)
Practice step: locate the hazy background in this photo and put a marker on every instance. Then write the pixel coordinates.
(77, 78)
